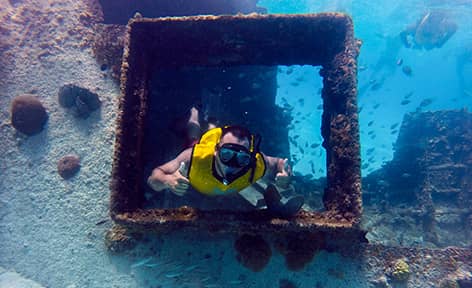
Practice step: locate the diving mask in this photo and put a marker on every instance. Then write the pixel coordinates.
(234, 155)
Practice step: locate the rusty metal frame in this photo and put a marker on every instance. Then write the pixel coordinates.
(325, 39)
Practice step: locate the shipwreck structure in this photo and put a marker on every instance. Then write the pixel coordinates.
(325, 40)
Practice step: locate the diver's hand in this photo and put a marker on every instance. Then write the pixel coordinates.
(284, 174)
(177, 183)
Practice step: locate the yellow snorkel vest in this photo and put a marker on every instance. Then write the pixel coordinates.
(201, 172)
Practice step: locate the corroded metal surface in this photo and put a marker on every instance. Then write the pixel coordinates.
(429, 175)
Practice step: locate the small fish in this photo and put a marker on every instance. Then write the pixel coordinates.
(426, 102)
(295, 84)
(405, 102)
(296, 136)
(191, 267)
(174, 275)
(288, 106)
(376, 86)
(400, 61)
(319, 107)
(151, 265)
(407, 70)
(289, 71)
(301, 101)
(256, 85)
(370, 123)
(101, 222)
(370, 150)
(365, 165)
(408, 95)
(394, 126)
(141, 262)
(376, 106)
(394, 132)
(314, 145)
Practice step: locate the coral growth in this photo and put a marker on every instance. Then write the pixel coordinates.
(401, 271)
(81, 100)
(119, 239)
(253, 252)
(68, 166)
(108, 46)
(28, 115)
(299, 249)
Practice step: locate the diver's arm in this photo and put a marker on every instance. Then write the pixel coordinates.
(169, 176)
(278, 170)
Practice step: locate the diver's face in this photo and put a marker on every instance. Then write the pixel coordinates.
(232, 154)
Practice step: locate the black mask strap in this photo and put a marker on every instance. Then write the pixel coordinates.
(256, 139)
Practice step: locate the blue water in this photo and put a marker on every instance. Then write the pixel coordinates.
(378, 25)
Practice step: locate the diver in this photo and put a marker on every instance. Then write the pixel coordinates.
(227, 160)
(431, 31)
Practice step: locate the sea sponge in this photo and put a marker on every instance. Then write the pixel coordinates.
(82, 101)
(401, 271)
(253, 252)
(68, 166)
(28, 115)
(300, 249)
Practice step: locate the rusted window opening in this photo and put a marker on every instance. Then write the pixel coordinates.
(325, 40)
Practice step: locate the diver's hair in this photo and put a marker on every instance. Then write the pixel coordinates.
(238, 131)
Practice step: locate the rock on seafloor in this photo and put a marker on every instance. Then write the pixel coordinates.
(68, 166)
(28, 114)
(253, 252)
(82, 101)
